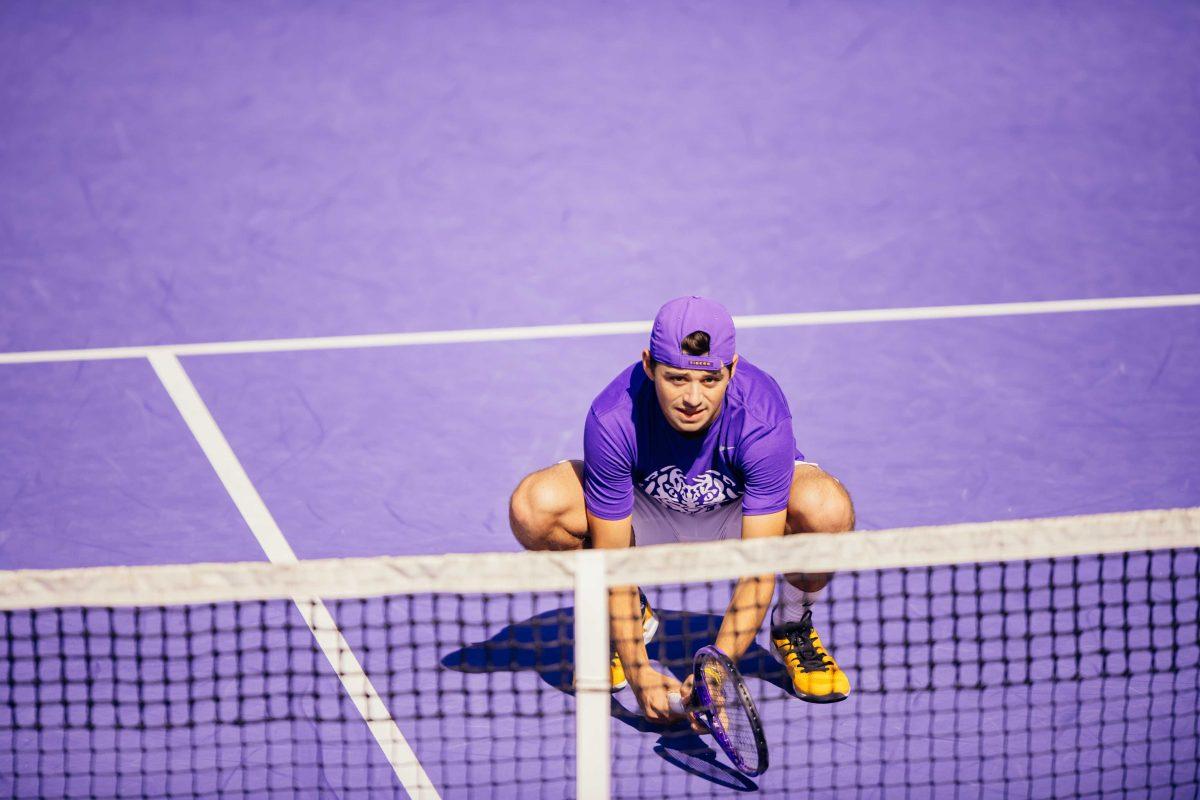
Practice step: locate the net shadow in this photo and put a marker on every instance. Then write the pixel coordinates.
(544, 643)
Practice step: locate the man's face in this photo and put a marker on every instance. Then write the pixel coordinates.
(690, 399)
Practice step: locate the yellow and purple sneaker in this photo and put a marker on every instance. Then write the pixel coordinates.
(815, 675)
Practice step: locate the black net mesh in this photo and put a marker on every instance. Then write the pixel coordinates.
(237, 699)
(1071, 677)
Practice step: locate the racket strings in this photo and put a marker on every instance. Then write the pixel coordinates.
(730, 712)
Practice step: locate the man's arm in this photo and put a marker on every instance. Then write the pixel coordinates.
(624, 608)
(752, 595)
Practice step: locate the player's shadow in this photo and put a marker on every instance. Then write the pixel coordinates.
(545, 644)
(679, 746)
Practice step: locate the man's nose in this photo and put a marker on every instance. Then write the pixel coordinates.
(694, 395)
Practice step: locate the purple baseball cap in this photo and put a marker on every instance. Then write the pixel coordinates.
(684, 315)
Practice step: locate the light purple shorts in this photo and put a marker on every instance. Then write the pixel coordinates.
(654, 523)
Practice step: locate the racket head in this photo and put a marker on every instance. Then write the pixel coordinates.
(725, 706)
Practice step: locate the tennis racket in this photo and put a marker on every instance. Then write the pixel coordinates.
(722, 703)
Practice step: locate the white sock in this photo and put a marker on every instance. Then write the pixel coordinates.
(793, 602)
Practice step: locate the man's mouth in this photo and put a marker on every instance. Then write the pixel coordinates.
(690, 415)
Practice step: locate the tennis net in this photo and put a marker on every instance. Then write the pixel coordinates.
(1039, 658)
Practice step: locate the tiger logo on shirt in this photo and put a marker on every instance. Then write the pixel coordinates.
(706, 492)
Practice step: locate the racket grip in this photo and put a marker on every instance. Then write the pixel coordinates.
(676, 703)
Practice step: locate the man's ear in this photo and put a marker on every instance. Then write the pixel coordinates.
(733, 367)
(646, 364)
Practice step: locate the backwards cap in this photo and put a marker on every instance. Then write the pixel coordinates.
(684, 315)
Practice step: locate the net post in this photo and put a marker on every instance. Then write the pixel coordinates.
(592, 690)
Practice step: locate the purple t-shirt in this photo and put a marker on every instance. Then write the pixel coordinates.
(748, 453)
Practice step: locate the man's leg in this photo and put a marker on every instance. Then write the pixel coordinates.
(818, 504)
(546, 511)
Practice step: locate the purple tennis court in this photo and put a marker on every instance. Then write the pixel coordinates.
(294, 281)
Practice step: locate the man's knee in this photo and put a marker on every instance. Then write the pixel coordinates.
(819, 503)
(541, 511)
(531, 510)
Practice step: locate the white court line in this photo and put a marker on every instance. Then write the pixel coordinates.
(471, 335)
(324, 629)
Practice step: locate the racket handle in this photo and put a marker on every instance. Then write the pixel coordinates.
(676, 703)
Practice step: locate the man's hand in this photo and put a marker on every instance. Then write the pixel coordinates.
(652, 689)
